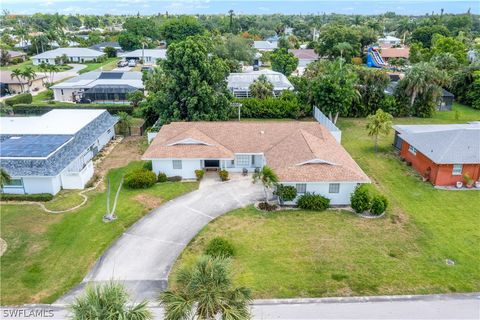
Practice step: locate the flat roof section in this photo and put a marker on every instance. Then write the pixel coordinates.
(32, 146)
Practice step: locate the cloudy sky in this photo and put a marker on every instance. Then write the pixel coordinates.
(147, 7)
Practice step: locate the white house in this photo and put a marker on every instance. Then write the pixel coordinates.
(239, 83)
(389, 41)
(303, 154)
(305, 56)
(74, 55)
(99, 87)
(149, 56)
(44, 154)
(264, 45)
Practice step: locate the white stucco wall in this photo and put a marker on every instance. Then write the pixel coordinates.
(42, 184)
(67, 95)
(187, 172)
(322, 188)
(77, 180)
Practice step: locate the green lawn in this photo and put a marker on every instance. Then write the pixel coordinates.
(307, 254)
(48, 254)
(107, 64)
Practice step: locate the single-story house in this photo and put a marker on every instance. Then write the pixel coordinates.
(239, 83)
(9, 85)
(388, 53)
(17, 55)
(75, 55)
(264, 45)
(44, 154)
(305, 56)
(98, 87)
(445, 102)
(102, 45)
(389, 41)
(441, 153)
(149, 56)
(303, 154)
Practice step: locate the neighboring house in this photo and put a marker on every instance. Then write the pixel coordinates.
(26, 44)
(389, 53)
(445, 102)
(74, 55)
(98, 87)
(149, 56)
(44, 154)
(16, 55)
(389, 41)
(442, 154)
(265, 45)
(102, 45)
(303, 154)
(9, 85)
(239, 83)
(305, 56)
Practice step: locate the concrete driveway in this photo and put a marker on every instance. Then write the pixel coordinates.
(143, 256)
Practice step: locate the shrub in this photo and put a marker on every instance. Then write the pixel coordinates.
(25, 98)
(26, 197)
(162, 177)
(220, 247)
(379, 205)
(199, 173)
(311, 201)
(286, 193)
(140, 179)
(174, 179)
(361, 199)
(267, 206)
(148, 165)
(223, 175)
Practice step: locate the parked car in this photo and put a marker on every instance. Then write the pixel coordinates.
(122, 64)
(132, 63)
(256, 67)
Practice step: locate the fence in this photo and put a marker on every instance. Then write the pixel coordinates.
(322, 119)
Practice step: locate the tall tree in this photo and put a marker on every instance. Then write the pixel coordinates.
(283, 61)
(379, 123)
(267, 177)
(29, 74)
(261, 88)
(178, 29)
(332, 35)
(18, 74)
(206, 292)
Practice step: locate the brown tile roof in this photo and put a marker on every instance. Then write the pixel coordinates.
(285, 144)
(5, 77)
(395, 52)
(307, 54)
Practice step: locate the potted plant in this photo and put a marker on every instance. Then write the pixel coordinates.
(459, 184)
(477, 184)
(468, 181)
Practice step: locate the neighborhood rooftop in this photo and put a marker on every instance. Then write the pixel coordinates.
(6, 78)
(243, 80)
(154, 53)
(95, 78)
(78, 52)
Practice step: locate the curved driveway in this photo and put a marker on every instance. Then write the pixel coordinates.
(143, 256)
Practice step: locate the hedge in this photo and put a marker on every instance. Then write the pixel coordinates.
(286, 106)
(41, 109)
(311, 201)
(24, 98)
(26, 197)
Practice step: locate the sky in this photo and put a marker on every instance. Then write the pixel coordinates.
(148, 7)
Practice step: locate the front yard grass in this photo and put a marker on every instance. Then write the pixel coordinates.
(90, 66)
(48, 254)
(307, 254)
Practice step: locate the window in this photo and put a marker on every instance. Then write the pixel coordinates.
(301, 188)
(334, 188)
(177, 164)
(412, 150)
(243, 160)
(13, 183)
(61, 91)
(457, 170)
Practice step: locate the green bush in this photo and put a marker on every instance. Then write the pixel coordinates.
(220, 247)
(286, 193)
(22, 98)
(41, 108)
(162, 177)
(223, 175)
(361, 199)
(379, 205)
(148, 165)
(140, 179)
(311, 201)
(26, 197)
(199, 173)
(174, 179)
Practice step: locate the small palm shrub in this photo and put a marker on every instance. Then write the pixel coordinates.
(140, 179)
(162, 177)
(311, 201)
(286, 193)
(220, 247)
(174, 179)
(379, 205)
(199, 174)
(223, 175)
(361, 199)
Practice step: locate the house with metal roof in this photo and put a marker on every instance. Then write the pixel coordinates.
(99, 87)
(442, 153)
(74, 55)
(102, 45)
(264, 45)
(44, 154)
(149, 56)
(239, 83)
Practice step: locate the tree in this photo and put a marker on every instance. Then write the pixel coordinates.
(108, 301)
(135, 97)
(111, 52)
(29, 74)
(136, 30)
(379, 123)
(206, 292)
(442, 45)
(267, 177)
(425, 34)
(283, 61)
(193, 82)
(125, 121)
(261, 88)
(371, 86)
(445, 61)
(5, 178)
(4, 57)
(332, 35)
(178, 29)
(234, 47)
(18, 73)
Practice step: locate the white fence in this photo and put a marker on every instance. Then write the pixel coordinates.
(322, 119)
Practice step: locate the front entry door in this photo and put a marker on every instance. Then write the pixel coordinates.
(212, 163)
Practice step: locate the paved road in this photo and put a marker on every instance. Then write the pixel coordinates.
(461, 306)
(143, 256)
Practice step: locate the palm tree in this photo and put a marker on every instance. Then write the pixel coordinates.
(29, 74)
(379, 123)
(4, 177)
(125, 121)
(206, 292)
(17, 73)
(52, 69)
(268, 177)
(108, 301)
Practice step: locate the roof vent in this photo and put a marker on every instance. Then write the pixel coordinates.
(262, 132)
